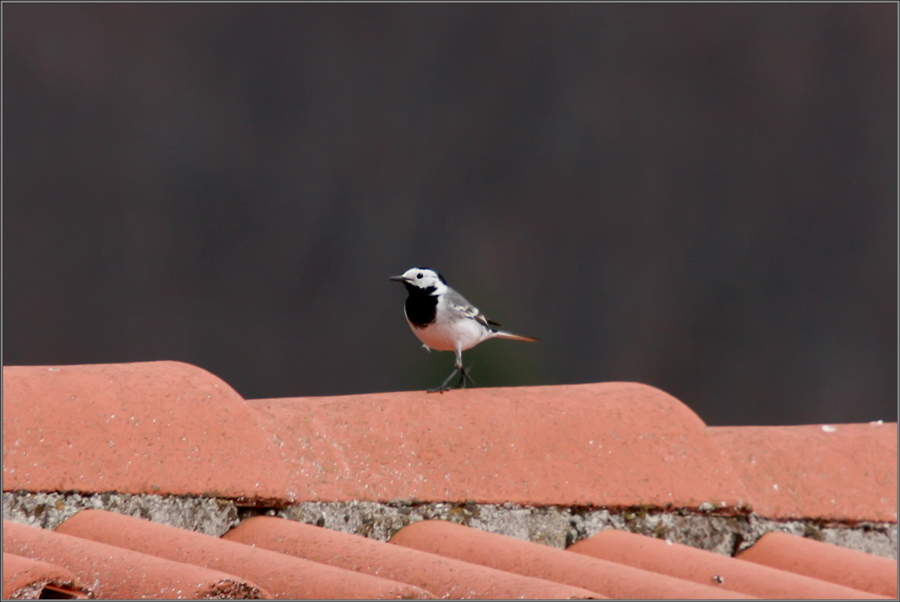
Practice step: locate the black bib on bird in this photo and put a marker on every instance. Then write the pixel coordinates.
(421, 305)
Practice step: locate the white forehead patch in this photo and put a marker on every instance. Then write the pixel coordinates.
(424, 278)
(419, 273)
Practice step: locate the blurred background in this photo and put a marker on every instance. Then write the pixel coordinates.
(698, 197)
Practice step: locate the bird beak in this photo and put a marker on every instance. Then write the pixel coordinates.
(397, 278)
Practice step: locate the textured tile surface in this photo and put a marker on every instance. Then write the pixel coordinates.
(826, 562)
(115, 572)
(187, 468)
(705, 567)
(525, 558)
(444, 577)
(844, 472)
(26, 578)
(281, 575)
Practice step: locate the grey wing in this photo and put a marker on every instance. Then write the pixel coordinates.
(462, 307)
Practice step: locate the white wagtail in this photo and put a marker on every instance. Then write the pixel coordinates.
(445, 321)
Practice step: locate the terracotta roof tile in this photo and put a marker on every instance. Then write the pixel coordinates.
(826, 562)
(113, 572)
(171, 428)
(609, 444)
(525, 558)
(282, 575)
(444, 577)
(551, 464)
(154, 427)
(700, 566)
(29, 579)
(845, 472)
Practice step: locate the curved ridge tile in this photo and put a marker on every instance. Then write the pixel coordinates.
(607, 444)
(445, 577)
(843, 472)
(535, 560)
(151, 427)
(701, 566)
(26, 579)
(113, 572)
(825, 561)
(284, 576)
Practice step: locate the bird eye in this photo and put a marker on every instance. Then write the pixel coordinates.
(419, 276)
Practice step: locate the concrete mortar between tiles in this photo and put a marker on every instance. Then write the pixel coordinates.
(553, 525)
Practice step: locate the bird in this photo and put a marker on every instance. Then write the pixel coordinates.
(444, 321)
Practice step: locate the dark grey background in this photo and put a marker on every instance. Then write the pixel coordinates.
(698, 197)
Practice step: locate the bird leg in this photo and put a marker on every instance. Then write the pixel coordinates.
(457, 369)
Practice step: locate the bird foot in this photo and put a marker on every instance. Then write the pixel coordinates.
(461, 384)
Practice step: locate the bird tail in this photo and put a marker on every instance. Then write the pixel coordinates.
(502, 334)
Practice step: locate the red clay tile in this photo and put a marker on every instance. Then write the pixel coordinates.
(29, 579)
(155, 427)
(826, 562)
(172, 428)
(112, 572)
(609, 444)
(535, 560)
(444, 577)
(845, 472)
(282, 575)
(700, 566)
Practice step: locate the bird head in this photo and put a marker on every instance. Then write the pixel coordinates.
(422, 279)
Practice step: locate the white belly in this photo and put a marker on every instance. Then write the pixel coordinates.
(449, 335)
